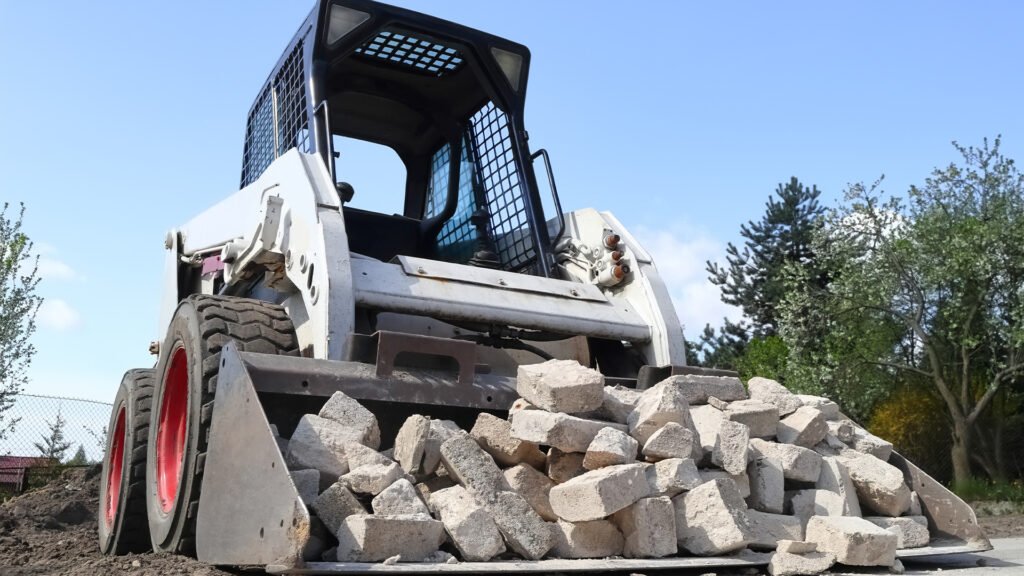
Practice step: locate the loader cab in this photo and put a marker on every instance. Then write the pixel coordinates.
(417, 112)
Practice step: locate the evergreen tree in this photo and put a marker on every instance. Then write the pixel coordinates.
(54, 445)
(79, 459)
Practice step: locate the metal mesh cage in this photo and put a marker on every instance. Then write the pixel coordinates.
(413, 51)
(259, 138)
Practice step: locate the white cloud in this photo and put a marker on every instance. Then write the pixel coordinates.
(53, 269)
(58, 315)
(680, 258)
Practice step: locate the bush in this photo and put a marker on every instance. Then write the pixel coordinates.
(981, 490)
(914, 421)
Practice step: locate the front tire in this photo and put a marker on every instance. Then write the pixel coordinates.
(183, 403)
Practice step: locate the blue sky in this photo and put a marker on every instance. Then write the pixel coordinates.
(120, 120)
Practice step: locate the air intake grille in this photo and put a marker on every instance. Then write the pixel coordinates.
(412, 51)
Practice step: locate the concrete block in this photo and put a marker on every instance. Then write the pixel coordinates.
(742, 481)
(867, 443)
(439, 432)
(730, 452)
(698, 388)
(561, 386)
(567, 433)
(401, 497)
(346, 411)
(712, 519)
(307, 484)
(372, 479)
(771, 392)
(841, 429)
(717, 403)
(599, 493)
(671, 441)
(769, 529)
(359, 455)
(880, 486)
(788, 564)
(806, 503)
(494, 436)
(672, 476)
(828, 408)
(618, 402)
(519, 404)
(364, 538)
(853, 541)
(767, 485)
(469, 465)
(610, 447)
(707, 420)
(804, 427)
(411, 442)
(910, 531)
(533, 486)
(798, 463)
(471, 528)
(433, 484)
(593, 539)
(649, 528)
(835, 477)
(915, 505)
(335, 504)
(658, 405)
(796, 547)
(761, 417)
(525, 532)
(320, 443)
(564, 466)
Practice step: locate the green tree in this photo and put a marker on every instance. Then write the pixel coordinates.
(18, 307)
(928, 287)
(54, 444)
(79, 459)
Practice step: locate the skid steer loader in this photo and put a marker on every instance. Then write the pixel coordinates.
(284, 293)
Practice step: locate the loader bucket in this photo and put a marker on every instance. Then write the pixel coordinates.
(250, 513)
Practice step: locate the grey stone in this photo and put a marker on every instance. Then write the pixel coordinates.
(564, 466)
(373, 478)
(698, 388)
(519, 404)
(742, 481)
(867, 443)
(841, 429)
(494, 436)
(761, 417)
(348, 412)
(618, 402)
(525, 532)
(608, 448)
(915, 505)
(307, 484)
(712, 519)
(835, 477)
(671, 441)
(593, 539)
(658, 405)
(561, 386)
(806, 503)
(470, 527)
(335, 504)
(401, 497)
(567, 433)
(649, 528)
(671, 476)
(433, 484)
(767, 485)
(828, 408)
(804, 427)
(910, 531)
(534, 486)
(730, 452)
(768, 529)
(796, 547)
(359, 455)
(707, 421)
(470, 466)
(798, 463)
(411, 442)
(320, 443)
(439, 432)
(771, 392)
(787, 564)
(718, 403)
(853, 541)
(599, 493)
(364, 538)
(880, 486)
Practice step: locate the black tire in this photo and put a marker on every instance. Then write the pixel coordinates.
(121, 517)
(183, 395)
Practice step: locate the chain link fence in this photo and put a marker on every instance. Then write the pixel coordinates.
(50, 434)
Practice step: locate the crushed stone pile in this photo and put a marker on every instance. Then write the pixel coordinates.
(693, 466)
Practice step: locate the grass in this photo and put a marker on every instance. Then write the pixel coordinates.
(980, 489)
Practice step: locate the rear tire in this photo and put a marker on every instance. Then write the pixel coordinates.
(121, 516)
(183, 403)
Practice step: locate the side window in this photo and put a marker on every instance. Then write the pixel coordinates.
(376, 173)
(457, 239)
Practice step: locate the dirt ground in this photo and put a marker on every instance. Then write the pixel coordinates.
(52, 531)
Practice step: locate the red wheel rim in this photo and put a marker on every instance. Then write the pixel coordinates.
(115, 466)
(171, 430)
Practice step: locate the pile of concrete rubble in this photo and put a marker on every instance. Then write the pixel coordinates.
(695, 465)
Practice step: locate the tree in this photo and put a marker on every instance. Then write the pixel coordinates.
(54, 445)
(928, 287)
(18, 307)
(79, 459)
(724, 347)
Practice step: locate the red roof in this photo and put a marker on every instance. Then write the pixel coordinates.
(12, 468)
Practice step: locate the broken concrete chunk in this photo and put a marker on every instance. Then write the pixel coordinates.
(828, 408)
(720, 404)
(346, 411)
(307, 484)
(742, 481)
(853, 541)
(433, 484)
(762, 418)
(880, 486)
(707, 420)
(663, 403)
(599, 493)
(470, 466)
(796, 547)
(567, 433)
(608, 448)
(594, 539)
(671, 441)
(771, 392)
(373, 478)
(470, 526)
(561, 386)
(730, 452)
(835, 477)
(334, 505)
(649, 528)
(768, 529)
(440, 430)
(672, 476)
(804, 427)
(534, 486)
(798, 463)
(525, 532)
(910, 531)
(789, 564)
(841, 429)
(564, 466)
(867, 443)
(915, 505)
(364, 538)
(618, 402)
(494, 436)
(712, 519)
(767, 485)
(698, 388)
(518, 405)
(359, 455)
(320, 443)
(806, 503)
(401, 497)
(411, 442)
